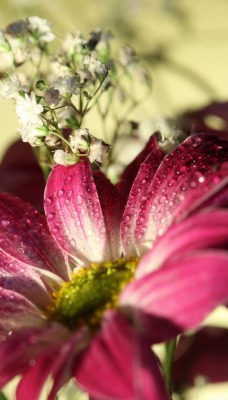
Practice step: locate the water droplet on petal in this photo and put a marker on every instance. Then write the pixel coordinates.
(79, 200)
(50, 216)
(4, 223)
(60, 193)
(69, 194)
(48, 201)
(68, 180)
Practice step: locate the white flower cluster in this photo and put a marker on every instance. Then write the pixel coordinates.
(82, 144)
(54, 95)
(29, 113)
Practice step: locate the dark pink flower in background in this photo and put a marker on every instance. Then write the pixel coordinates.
(117, 269)
(21, 175)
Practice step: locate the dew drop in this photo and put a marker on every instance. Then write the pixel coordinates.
(50, 216)
(60, 193)
(193, 184)
(4, 223)
(32, 362)
(69, 194)
(79, 200)
(48, 201)
(68, 180)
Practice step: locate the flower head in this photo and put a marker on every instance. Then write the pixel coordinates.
(28, 110)
(116, 273)
(40, 27)
(9, 88)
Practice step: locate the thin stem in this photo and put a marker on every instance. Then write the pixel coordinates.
(170, 350)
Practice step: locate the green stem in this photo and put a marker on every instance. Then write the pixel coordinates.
(170, 350)
(2, 396)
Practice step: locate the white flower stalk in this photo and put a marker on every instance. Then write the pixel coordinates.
(9, 88)
(28, 110)
(41, 28)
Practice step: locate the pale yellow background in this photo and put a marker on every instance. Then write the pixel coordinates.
(198, 38)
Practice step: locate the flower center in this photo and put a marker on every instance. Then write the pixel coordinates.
(90, 292)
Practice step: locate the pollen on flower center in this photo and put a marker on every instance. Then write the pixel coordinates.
(90, 292)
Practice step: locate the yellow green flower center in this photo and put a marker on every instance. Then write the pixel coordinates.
(90, 292)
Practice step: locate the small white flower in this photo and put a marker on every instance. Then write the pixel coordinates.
(73, 43)
(9, 88)
(28, 110)
(66, 85)
(79, 141)
(95, 66)
(63, 158)
(41, 27)
(31, 133)
(83, 143)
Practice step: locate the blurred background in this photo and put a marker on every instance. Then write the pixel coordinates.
(183, 43)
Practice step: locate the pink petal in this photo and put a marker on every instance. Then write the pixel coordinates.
(17, 312)
(138, 199)
(56, 363)
(21, 349)
(206, 230)
(179, 295)
(112, 205)
(203, 354)
(24, 236)
(117, 365)
(130, 172)
(18, 277)
(186, 178)
(21, 175)
(74, 213)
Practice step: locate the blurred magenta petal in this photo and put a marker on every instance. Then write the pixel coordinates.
(209, 119)
(200, 232)
(20, 175)
(74, 213)
(179, 295)
(17, 312)
(116, 348)
(129, 174)
(57, 363)
(24, 236)
(201, 356)
(21, 348)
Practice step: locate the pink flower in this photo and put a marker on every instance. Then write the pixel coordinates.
(167, 217)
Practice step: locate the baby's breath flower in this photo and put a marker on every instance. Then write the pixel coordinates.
(63, 158)
(31, 133)
(28, 110)
(9, 88)
(82, 142)
(4, 44)
(79, 140)
(95, 66)
(67, 85)
(40, 27)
